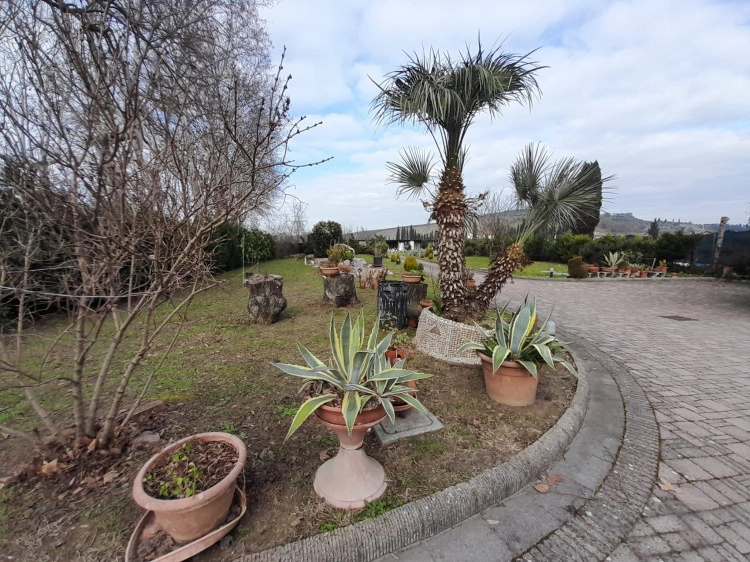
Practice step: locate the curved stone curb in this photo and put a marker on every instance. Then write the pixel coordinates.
(429, 516)
(604, 521)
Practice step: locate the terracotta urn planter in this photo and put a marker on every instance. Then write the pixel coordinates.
(351, 478)
(511, 384)
(608, 269)
(190, 518)
(411, 279)
(330, 271)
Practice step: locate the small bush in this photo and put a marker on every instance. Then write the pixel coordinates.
(410, 264)
(576, 268)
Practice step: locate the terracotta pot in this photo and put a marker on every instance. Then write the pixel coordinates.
(333, 415)
(395, 355)
(401, 406)
(644, 274)
(608, 269)
(330, 271)
(425, 303)
(188, 519)
(471, 283)
(593, 269)
(411, 279)
(674, 275)
(511, 384)
(412, 321)
(351, 478)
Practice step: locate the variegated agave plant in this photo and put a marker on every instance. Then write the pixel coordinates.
(356, 375)
(518, 340)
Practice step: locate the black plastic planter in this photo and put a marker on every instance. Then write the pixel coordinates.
(392, 304)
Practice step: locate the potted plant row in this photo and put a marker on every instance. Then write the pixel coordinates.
(353, 393)
(512, 353)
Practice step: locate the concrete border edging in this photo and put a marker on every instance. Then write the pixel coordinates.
(431, 515)
(606, 518)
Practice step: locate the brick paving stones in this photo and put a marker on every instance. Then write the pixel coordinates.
(696, 376)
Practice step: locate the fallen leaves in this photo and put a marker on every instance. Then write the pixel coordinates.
(668, 487)
(50, 468)
(546, 486)
(110, 476)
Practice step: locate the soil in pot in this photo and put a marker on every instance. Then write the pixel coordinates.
(199, 510)
(193, 468)
(511, 384)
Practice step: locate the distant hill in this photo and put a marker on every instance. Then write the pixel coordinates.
(626, 223)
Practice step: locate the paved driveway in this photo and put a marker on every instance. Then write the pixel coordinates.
(688, 345)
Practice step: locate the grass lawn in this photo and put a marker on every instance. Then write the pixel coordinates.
(534, 270)
(218, 377)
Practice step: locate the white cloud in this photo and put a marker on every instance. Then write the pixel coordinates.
(655, 91)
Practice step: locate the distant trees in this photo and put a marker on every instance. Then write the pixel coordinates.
(653, 230)
(324, 235)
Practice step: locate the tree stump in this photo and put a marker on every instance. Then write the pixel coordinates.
(415, 292)
(371, 276)
(339, 290)
(266, 301)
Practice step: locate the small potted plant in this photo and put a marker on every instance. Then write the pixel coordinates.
(644, 271)
(190, 484)
(380, 248)
(350, 395)
(470, 282)
(511, 355)
(613, 260)
(662, 266)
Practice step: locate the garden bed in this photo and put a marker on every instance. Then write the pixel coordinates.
(219, 379)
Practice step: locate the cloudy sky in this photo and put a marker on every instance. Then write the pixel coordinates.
(657, 91)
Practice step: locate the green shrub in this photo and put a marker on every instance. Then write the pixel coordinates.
(576, 268)
(337, 254)
(410, 264)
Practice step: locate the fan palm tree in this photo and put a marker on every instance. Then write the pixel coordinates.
(445, 95)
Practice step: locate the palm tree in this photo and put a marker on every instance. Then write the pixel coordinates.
(445, 95)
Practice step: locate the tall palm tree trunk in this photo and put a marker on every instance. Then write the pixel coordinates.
(449, 211)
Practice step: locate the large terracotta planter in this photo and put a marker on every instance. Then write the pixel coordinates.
(511, 384)
(188, 519)
(351, 478)
(411, 279)
(400, 405)
(330, 271)
(593, 269)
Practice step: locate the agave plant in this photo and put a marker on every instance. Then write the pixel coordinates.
(358, 374)
(614, 259)
(517, 339)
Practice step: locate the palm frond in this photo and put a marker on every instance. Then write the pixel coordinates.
(557, 195)
(413, 174)
(445, 95)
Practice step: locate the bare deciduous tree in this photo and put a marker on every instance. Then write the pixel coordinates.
(146, 123)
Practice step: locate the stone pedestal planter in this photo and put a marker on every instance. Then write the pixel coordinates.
(351, 478)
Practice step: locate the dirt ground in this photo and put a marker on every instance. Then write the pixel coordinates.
(75, 515)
